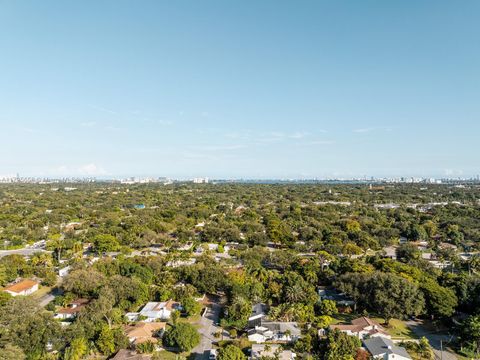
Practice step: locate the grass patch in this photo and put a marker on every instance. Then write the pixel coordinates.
(344, 318)
(397, 329)
(169, 355)
(43, 290)
(242, 343)
(191, 320)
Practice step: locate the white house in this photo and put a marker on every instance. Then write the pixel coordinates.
(72, 310)
(275, 331)
(64, 271)
(24, 287)
(259, 335)
(178, 263)
(154, 311)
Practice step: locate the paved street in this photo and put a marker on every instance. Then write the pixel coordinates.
(207, 331)
(434, 338)
(23, 252)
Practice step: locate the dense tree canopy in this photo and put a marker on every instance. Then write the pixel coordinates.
(271, 243)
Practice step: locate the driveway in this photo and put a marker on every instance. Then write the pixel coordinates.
(438, 340)
(44, 300)
(207, 330)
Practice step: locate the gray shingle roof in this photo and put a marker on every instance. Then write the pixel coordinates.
(380, 345)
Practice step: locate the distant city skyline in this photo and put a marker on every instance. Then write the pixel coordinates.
(204, 180)
(229, 90)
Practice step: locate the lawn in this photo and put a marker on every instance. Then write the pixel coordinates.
(397, 329)
(169, 355)
(44, 290)
(191, 319)
(344, 318)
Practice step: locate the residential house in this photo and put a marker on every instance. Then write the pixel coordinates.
(64, 271)
(385, 349)
(186, 246)
(154, 311)
(428, 256)
(362, 328)
(144, 332)
(258, 313)
(260, 351)
(467, 256)
(275, 331)
(72, 310)
(259, 335)
(390, 252)
(440, 264)
(447, 246)
(73, 226)
(421, 245)
(178, 263)
(24, 287)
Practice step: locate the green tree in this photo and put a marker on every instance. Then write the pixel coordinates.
(147, 347)
(238, 311)
(106, 341)
(470, 333)
(386, 294)
(328, 307)
(11, 352)
(231, 352)
(4, 297)
(183, 336)
(440, 301)
(77, 349)
(417, 232)
(353, 226)
(105, 243)
(340, 346)
(408, 252)
(26, 325)
(174, 316)
(84, 283)
(191, 306)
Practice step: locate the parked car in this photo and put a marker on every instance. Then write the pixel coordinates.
(212, 355)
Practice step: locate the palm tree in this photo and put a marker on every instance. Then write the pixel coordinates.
(77, 247)
(57, 245)
(260, 273)
(293, 293)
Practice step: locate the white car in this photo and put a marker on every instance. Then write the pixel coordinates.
(212, 355)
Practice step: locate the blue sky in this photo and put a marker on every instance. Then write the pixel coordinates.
(257, 89)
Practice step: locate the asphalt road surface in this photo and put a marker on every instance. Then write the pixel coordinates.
(23, 252)
(438, 340)
(207, 330)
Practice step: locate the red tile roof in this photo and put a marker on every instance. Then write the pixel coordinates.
(21, 286)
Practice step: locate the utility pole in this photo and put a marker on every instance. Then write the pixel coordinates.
(441, 349)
